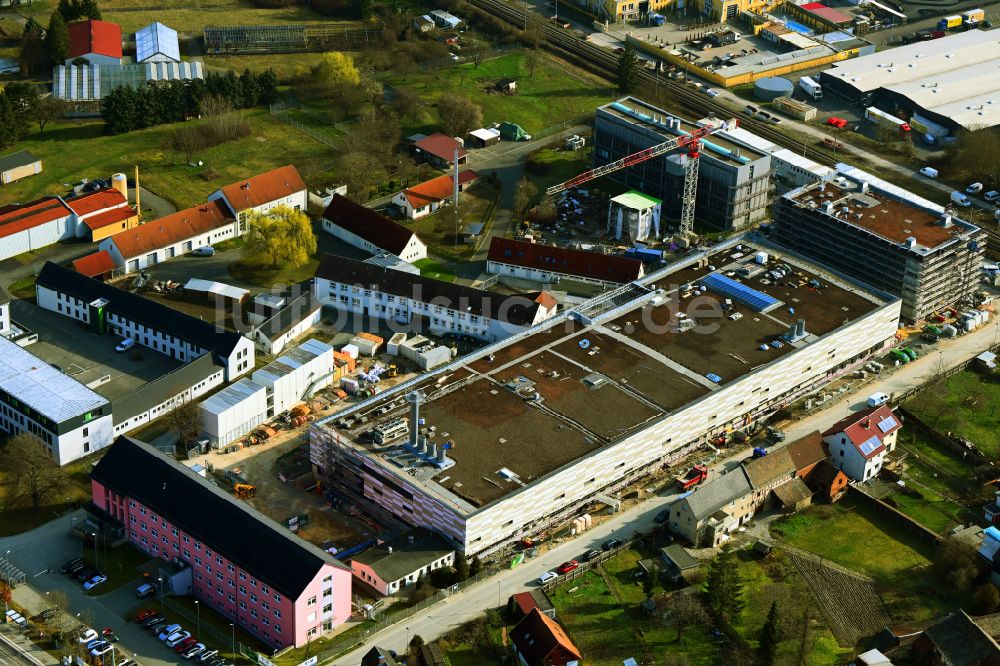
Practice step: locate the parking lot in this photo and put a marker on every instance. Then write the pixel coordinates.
(86, 357)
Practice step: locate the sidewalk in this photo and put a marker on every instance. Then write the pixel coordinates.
(18, 640)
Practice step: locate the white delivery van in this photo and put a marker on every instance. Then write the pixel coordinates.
(929, 172)
(960, 199)
(876, 399)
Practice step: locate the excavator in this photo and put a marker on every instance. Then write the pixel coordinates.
(244, 490)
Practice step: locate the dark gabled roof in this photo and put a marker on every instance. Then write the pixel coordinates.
(378, 657)
(959, 640)
(259, 545)
(824, 474)
(518, 310)
(792, 492)
(364, 222)
(720, 491)
(607, 267)
(400, 557)
(441, 146)
(287, 317)
(679, 556)
(162, 388)
(137, 308)
(19, 159)
(762, 471)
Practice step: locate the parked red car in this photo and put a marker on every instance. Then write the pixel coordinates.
(566, 567)
(185, 644)
(834, 121)
(144, 613)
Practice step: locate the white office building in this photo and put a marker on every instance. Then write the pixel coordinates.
(70, 419)
(233, 411)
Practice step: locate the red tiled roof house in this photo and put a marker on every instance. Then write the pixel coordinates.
(429, 196)
(548, 264)
(859, 442)
(439, 149)
(538, 640)
(101, 214)
(171, 236)
(97, 42)
(260, 193)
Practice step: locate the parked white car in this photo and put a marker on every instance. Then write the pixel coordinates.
(975, 188)
(546, 577)
(929, 172)
(125, 345)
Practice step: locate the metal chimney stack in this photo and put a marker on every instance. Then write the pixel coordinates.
(414, 398)
(443, 452)
(433, 450)
(800, 328)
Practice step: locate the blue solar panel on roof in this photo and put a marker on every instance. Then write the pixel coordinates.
(888, 423)
(738, 291)
(870, 445)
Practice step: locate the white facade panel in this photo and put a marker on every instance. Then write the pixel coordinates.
(233, 412)
(159, 255)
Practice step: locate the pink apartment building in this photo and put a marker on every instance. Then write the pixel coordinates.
(244, 565)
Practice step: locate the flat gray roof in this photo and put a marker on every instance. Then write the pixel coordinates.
(38, 385)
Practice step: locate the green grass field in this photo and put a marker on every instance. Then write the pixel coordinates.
(940, 478)
(71, 151)
(967, 404)
(17, 515)
(547, 98)
(191, 17)
(435, 269)
(856, 537)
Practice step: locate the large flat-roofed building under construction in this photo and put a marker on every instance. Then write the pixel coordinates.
(946, 84)
(517, 436)
(733, 179)
(884, 235)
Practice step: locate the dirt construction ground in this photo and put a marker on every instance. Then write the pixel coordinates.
(279, 500)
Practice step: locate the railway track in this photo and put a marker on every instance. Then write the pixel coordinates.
(603, 62)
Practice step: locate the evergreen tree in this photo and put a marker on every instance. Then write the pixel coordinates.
(628, 69)
(69, 10)
(8, 123)
(57, 39)
(249, 90)
(724, 584)
(769, 637)
(475, 565)
(462, 566)
(24, 102)
(89, 9)
(34, 59)
(268, 84)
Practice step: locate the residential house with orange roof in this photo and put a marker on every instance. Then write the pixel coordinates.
(429, 196)
(858, 443)
(171, 236)
(98, 265)
(34, 225)
(100, 214)
(258, 194)
(538, 640)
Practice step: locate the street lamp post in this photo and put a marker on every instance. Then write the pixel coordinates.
(233, 628)
(197, 608)
(96, 558)
(159, 589)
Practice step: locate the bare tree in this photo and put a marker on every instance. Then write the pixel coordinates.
(524, 194)
(458, 114)
(680, 610)
(186, 420)
(477, 52)
(49, 108)
(35, 474)
(359, 171)
(531, 58)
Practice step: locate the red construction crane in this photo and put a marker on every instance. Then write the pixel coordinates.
(689, 141)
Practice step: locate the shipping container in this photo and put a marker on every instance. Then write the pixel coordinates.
(950, 22)
(883, 119)
(973, 15)
(644, 254)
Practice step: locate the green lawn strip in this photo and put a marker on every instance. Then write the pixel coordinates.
(267, 276)
(435, 269)
(467, 655)
(978, 423)
(559, 166)
(857, 537)
(23, 288)
(545, 98)
(192, 17)
(74, 150)
(933, 511)
(938, 456)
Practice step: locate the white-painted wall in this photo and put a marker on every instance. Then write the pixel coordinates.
(159, 255)
(5, 319)
(285, 391)
(188, 394)
(400, 309)
(543, 276)
(365, 573)
(415, 249)
(248, 411)
(38, 237)
(275, 346)
(297, 200)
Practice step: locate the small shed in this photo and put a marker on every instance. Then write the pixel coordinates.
(521, 603)
(444, 19)
(18, 165)
(218, 292)
(424, 23)
(793, 495)
(432, 654)
(506, 86)
(678, 563)
(484, 137)
(634, 216)
(987, 360)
